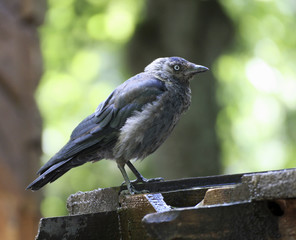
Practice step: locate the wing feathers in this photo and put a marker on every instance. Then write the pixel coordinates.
(101, 128)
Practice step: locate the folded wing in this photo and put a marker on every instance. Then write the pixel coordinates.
(101, 129)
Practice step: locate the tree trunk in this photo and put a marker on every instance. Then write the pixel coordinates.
(20, 124)
(199, 31)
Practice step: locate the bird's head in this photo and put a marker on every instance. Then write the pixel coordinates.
(174, 68)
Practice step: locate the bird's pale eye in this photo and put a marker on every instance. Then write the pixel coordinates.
(177, 67)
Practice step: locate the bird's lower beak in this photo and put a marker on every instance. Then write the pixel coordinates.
(194, 69)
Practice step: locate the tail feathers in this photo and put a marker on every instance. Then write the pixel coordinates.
(51, 174)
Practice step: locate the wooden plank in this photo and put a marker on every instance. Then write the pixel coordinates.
(271, 185)
(242, 187)
(220, 195)
(133, 209)
(242, 206)
(250, 220)
(255, 187)
(98, 200)
(80, 227)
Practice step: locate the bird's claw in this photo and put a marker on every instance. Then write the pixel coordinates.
(145, 180)
(151, 180)
(127, 192)
(132, 191)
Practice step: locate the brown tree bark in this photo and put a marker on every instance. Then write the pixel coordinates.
(20, 122)
(198, 31)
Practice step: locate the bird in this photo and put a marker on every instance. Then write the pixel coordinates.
(134, 120)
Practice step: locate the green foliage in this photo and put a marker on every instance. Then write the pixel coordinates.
(257, 87)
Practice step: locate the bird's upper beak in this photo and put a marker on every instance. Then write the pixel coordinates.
(194, 69)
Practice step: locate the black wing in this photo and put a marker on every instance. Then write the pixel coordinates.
(102, 127)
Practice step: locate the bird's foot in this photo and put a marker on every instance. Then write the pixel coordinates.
(132, 191)
(150, 180)
(145, 180)
(127, 192)
(130, 185)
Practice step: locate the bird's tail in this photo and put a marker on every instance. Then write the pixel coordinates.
(51, 174)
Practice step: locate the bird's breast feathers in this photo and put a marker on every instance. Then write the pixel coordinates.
(147, 129)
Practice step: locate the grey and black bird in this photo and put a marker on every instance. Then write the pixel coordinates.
(131, 123)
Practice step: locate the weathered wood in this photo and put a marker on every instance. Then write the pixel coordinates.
(124, 222)
(132, 211)
(244, 206)
(255, 187)
(220, 195)
(242, 221)
(98, 200)
(257, 199)
(177, 193)
(272, 184)
(80, 227)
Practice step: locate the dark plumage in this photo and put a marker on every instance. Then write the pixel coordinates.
(131, 123)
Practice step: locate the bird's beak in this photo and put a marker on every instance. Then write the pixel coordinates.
(194, 69)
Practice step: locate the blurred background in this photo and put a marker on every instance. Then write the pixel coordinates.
(60, 59)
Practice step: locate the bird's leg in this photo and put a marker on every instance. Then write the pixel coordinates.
(130, 187)
(139, 176)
